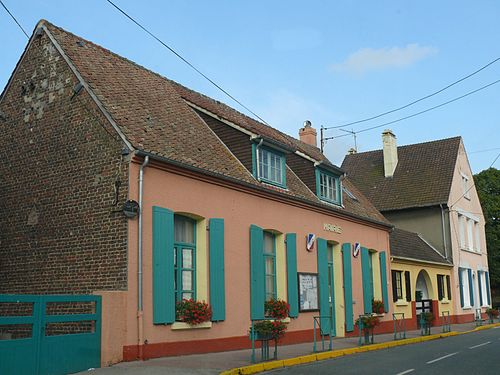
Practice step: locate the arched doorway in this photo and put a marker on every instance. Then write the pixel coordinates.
(423, 293)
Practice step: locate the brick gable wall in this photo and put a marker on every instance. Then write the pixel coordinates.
(61, 227)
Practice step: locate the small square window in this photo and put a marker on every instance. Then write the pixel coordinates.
(271, 166)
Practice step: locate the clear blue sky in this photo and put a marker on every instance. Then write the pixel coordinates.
(324, 61)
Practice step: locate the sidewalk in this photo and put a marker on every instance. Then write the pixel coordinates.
(214, 363)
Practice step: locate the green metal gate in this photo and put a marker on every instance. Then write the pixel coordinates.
(49, 334)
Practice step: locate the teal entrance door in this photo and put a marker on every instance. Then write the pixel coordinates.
(331, 289)
(49, 334)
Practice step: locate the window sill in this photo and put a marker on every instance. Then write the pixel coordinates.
(286, 320)
(401, 303)
(471, 251)
(445, 301)
(467, 308)
(181, 326)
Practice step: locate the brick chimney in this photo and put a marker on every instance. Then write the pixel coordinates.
(390, 152)
(308, 134)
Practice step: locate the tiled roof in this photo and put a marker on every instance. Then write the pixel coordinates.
(410, 245)
(423, 175)
(152, 113)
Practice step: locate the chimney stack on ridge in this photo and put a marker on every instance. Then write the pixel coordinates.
(390, 152)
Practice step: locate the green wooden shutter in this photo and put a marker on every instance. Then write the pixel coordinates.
(349, 317)
(488, 292)
(440, 287)
(408, 286)
(367, 282)
(461, 286)
(394, 285)
(163, 266)
(257, 286)
(217, 288)
(291, 267)
(480, 291)
(324, 300)
(383, 279)
(471, 287)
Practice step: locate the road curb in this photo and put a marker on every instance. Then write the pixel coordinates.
(289, 362)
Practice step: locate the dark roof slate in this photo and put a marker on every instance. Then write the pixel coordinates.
(152, 113)
(423, 175)
(410, 245)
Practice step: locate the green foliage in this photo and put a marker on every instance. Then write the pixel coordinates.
(277, 309)
(488, 187)
(274, 329)
(193, 312)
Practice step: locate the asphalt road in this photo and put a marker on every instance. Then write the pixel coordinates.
(472, 353)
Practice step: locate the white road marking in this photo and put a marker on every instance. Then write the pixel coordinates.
(440, 358)
(406, 372)
(496, 327)
(477, 346)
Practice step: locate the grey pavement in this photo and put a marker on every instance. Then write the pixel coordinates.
(214, 363)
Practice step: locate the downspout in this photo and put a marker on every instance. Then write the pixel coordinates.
(140, 322)
(257, 158)
(444, 233)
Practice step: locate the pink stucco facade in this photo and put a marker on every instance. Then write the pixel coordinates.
(467, 253)
(192, 194)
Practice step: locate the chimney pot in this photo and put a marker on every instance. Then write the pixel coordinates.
(308, 134)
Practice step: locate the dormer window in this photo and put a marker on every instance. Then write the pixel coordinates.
(328, 186)
(271, 166)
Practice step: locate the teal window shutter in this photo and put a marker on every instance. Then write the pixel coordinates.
(217, 289)
(383, 280)
(349, 316)
(488, 292)
(163, 266)
(471, 287)
(324, 301)
(291, 266)
(461, 286)
(367, 280)
(257, 287)
(480, 288)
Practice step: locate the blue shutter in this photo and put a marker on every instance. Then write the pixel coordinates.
(163, 266)
(349, 318)
(488, 292)
(217, 288)
(461, 286)
(291, 267)
(367, 282)
(257, 286)
(480, 291)
(383, 280)
(324, 300)
(471, 287)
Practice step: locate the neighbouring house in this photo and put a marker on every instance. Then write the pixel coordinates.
(427, 188)
(120, 183)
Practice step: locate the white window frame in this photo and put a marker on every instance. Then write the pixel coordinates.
(477, 232)
(470, 234)
(465, 186)
(484, 290)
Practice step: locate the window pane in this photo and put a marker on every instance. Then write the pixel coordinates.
(183, 229)
(330, 253)
(268, 243)
(187, 280)
(270, 285)
(187, 258)
(175, 257)
(187, 295)
(269, 265)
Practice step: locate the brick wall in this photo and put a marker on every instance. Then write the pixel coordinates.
(61, 227)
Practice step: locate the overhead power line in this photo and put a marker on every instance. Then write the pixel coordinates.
(185, 61)
(415, 101)
(419, 113)
(14, 18)
(486, 150)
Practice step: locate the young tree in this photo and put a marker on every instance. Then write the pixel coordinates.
(488, 187)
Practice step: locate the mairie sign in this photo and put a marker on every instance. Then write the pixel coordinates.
(332, 228)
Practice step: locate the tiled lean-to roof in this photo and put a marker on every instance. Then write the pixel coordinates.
(161, 117)
(423, 175)
(411, 246)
